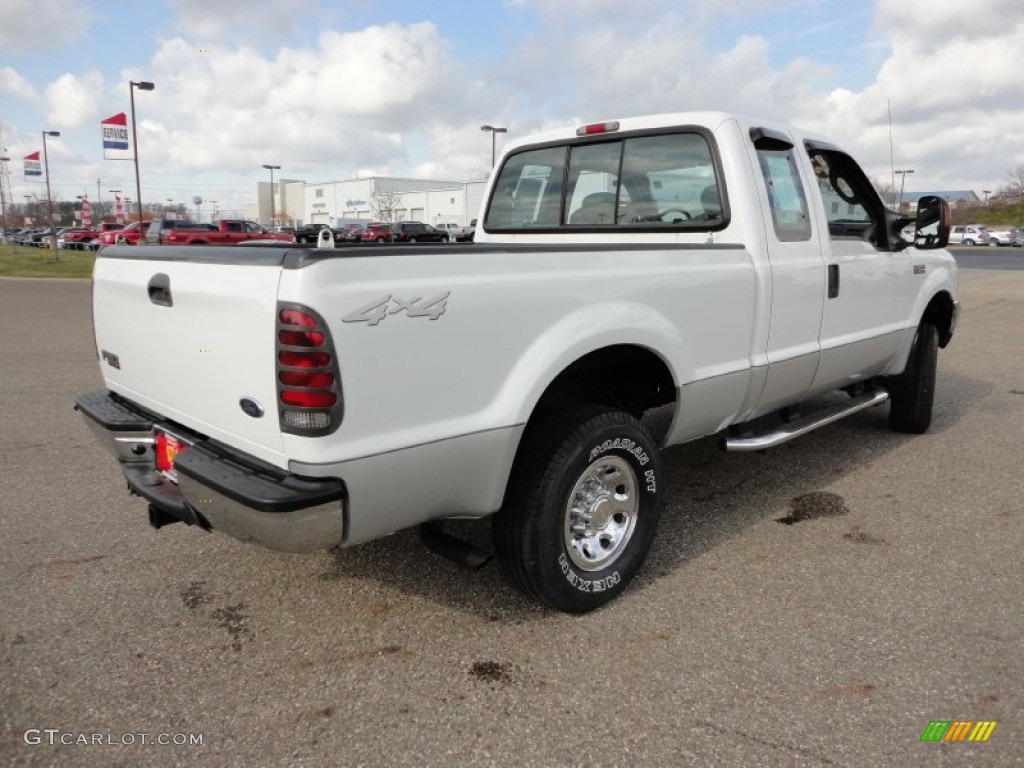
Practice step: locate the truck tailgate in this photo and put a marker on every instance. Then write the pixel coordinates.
(188, 334)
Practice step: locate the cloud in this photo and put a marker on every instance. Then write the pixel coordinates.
(13, 83)
(240, 84)
(951, 77)
(73, 101)
(343, 103)
(29, 25)
(237, 20)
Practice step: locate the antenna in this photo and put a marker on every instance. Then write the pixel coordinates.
(892, 166)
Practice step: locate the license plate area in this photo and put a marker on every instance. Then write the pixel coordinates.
(168, 445)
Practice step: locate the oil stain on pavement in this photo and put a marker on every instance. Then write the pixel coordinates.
(815, 504)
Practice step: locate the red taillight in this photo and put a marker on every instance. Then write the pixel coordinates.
(303, 379)
(308, 399)
(295, 317)
(309, 391)
(300, 338)
(304, 359)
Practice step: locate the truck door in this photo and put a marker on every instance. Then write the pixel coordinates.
(797, 271)
(869, 281)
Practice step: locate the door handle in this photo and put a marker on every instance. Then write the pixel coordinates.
(159, 288)
(833, 280)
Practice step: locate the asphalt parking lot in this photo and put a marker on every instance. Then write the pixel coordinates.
(892, 599)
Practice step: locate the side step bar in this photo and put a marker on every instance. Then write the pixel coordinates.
(809, 423)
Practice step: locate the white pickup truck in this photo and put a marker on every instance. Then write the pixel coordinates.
(306, 398)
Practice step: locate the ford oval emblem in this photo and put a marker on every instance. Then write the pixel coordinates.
(251, 407)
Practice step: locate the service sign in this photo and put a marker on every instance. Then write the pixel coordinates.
(33, 167)
(116, 143)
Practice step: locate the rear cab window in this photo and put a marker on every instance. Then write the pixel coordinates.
(669, 181)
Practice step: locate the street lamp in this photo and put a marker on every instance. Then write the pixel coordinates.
(903, 180)
(143, 86)
(49, 199)
(3, 196)
(494, 130)
(986, 193)
(272, 168)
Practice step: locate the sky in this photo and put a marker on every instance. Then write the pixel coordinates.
(332, 90)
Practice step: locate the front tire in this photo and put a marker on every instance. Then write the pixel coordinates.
(913, 391)
(581, 509)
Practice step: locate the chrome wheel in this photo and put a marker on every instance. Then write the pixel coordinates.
(601, 513)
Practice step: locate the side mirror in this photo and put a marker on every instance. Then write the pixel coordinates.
(931, 228)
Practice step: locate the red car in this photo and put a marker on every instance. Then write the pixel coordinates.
(129, 235)
(77, 238)
(376, 232)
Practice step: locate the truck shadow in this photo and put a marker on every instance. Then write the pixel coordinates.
(708, 497)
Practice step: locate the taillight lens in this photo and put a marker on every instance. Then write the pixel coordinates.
(309, 399)
(304, 359)
(308, 379)
(301, 338)
(303, 379)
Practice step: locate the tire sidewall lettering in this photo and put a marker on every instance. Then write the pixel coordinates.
(632, 452)
(646, 477)
(587, 585)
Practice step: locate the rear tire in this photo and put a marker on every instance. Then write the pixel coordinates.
(913, 392)
(581, 508)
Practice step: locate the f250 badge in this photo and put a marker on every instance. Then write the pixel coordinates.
(378, 309)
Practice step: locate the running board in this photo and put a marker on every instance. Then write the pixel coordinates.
(809, 423)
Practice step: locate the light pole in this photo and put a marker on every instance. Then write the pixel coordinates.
(49, 199)
(903, 180)
(494, 130)
(142, 86)
(986, 193)
(3, 196)
(272, 168)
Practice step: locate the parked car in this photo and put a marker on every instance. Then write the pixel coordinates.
(78, 239)
(48, 242)
(351, 233)
(968, 234)
(23, 236)
(159, 229)
(465, 234)
(38, 236)
(130, 235)
(417, 231)
(449, 227)
(1000, 236)
(310, 233)
(221, 232)
(1018, 237)
(377, 232)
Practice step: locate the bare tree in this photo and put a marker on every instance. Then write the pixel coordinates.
(1015, 188)
(384, 203)
(888, 193)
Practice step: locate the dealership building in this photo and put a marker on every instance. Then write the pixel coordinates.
(297, 202)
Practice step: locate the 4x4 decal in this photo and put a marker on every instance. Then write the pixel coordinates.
(378, 309)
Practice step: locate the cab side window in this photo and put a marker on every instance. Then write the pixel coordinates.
(852, 207)
(786, 196)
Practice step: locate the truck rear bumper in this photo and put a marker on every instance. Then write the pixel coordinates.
(217, 488)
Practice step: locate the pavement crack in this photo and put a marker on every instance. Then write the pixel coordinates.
(765, 742)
